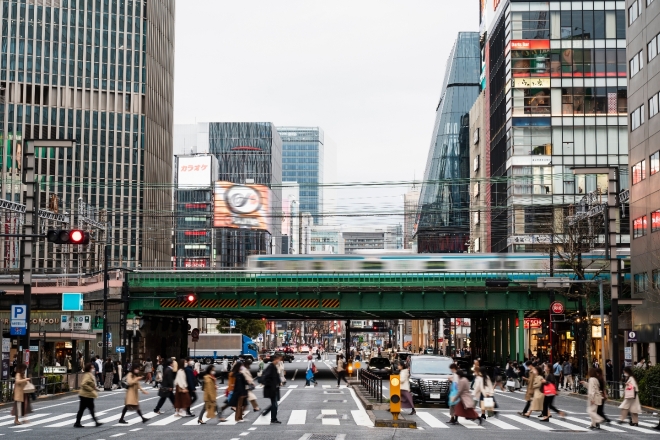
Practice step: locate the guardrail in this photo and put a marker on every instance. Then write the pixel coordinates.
(655, 396)
(373, 384)
(49, 384)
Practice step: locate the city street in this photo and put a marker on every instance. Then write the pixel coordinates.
(306, 413)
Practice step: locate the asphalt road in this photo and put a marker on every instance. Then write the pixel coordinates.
(324, 412)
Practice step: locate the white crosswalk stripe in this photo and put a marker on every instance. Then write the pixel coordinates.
(31, 417)
(467, 423)
(525, 421)
(603, 426)
(567, 425)
(297, 417)
(49, 419)
(500, 424)
(430, 420)
(172, 418)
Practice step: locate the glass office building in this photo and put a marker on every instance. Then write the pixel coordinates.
(303, 153)
(444, 203)
(555, 84)
(248, 153)
(99, 72)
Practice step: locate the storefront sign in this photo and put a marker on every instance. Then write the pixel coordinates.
(195, 262)
(528, 83)
(54, 370)
(80, 323)
(530, 44)
(531, 323)
(49, 321)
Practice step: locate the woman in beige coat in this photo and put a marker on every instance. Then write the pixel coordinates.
(132, 401)
(594, 399)
(630, 404)
(537, 396)
(87, 394)
(249, 383)
(21, 399)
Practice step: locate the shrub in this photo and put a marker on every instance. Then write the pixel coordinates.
(53, 383)
(649, 385)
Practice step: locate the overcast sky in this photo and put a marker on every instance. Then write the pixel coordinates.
(369, 72)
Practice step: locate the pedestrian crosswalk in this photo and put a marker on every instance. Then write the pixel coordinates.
(427, 419)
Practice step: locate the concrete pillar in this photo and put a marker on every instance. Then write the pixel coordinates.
(512, 336)
(505, 337)
(521, 335)
(498, 338)
(653, 357)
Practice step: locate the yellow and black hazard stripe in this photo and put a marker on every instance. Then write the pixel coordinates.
(208, 303)
(309, 303)
(269, 303)
(330, 303)
(289, 303)
(227, 304)
(248, 302)
(175, 304)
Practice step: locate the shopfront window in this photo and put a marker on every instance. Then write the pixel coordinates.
(528, 63)
(594, 100)
(588, 63)
(531, 101)
(532, 141)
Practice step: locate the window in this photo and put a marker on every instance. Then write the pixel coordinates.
(653, 106)
(639, 227)
(610, 100)
(655, 221)
(639, 172)
(636, 63)
(531, 101)
(652, 48)
(637, 118)
(475, 163)
(648, 2)
(476, 217)
(476, 189)
(634, 11)
(655, 162)
(656, 278)
(641, 282)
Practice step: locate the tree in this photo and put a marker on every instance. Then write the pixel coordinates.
(248, 327)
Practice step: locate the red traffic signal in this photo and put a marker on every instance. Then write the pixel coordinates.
(63, 236)
(188, 298)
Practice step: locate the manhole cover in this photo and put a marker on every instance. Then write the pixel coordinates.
(334, 401)
(334, 392)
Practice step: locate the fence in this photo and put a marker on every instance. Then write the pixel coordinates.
(655, 395)
(373, 384)
(48, 384)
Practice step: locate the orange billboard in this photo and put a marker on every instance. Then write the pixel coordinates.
(241, 206)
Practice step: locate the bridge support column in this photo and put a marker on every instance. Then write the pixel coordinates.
(521, 335)
(512, 336)
(505, 337)
(498, 338)
(491, 338)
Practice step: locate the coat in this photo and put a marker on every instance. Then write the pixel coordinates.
(239, 391)
(168, 379)
(530, 389)
(594, 399)
(133, 382)
(632, 405)
(88, 386)
(249, 383)
(464, 393)
(538, 396)
(19, 384)
(210, 392)
(404, 379)
(271, 381)
(190, 378)
(482, 387)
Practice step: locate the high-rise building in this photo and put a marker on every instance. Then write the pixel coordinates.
(291, 221)
(479, 183)
(644, 154)
(100, 73)
(444, 203)
(308, 158)
(410, 204)
(555, 99)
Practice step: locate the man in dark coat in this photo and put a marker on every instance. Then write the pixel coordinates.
(192, 380)
(271, 381)
(166, 390)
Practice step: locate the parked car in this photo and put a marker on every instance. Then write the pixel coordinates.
(304, 349)
(381, 367)
(429, 378)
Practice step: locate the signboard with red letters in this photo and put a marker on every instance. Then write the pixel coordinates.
(557, 308)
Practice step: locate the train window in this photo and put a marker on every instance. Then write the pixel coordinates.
(511, 264)
(437, 265)
(372, 265)
(493, 265)
(265, 264)
(317, 265)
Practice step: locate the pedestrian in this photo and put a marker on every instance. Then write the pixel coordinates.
(453, 393)
(483, 389)
(224, 370)
(260, 369)
(309, 373)
(191, 380)
(231, 381)
(497, 372)
(567, 371)
(175, 365)
(404, 380)
(557, 370)
(108, 370)
(609, 370)
(210, 394)
(159, 373)
(603, 389)
(181, 394)
(549, 392)
(148, 371)
(464, 406)
(630, 398)
(239, 394)
(21, 394)
(534, 393)
(87, 394)
(594, 398)
(250, 385)
(132, 400)
(166, 389)
(341, 370)
(99, 371)
(272, 381)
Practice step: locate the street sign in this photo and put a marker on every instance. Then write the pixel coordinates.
(232, 323)
(553, 282)
(558, 318)
(72, 302)
(267, 332)
(120, 349)
(632, 336)
(557, 308)
(260, 338)
(18, 323)
(195, 334)
(17, 331)
(18, 312)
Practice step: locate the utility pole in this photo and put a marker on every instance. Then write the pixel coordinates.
(106, 252)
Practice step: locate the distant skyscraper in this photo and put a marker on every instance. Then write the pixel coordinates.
(410, 204)
(308, 159)
(102, 73)
(444, 202)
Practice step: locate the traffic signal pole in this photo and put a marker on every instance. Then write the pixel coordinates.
(106, 257)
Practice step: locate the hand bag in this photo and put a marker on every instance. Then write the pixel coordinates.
(313, 368)
(511, 383)
(630, 392)
(489, 403)
(124, 383)
(453, 395)
(549, 389)
(29, 388)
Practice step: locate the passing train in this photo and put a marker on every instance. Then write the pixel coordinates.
(593, 262)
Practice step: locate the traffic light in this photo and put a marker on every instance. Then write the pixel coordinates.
(187, 298)
(395, 396)
(65, 236)
(447, 326)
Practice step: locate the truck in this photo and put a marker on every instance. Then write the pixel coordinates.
(213, 347)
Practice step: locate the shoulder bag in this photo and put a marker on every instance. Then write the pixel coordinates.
(29, 388)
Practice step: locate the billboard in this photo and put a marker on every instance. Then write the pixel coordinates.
(194, 171)
(241, 206)
(489, 12)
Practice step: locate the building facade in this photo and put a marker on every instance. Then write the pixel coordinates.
(555, 99)
(479, 182)
(644, 154)
(410, 204)
(100, 73)
(444, 202)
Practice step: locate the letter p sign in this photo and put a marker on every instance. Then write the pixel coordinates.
(18, 312)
